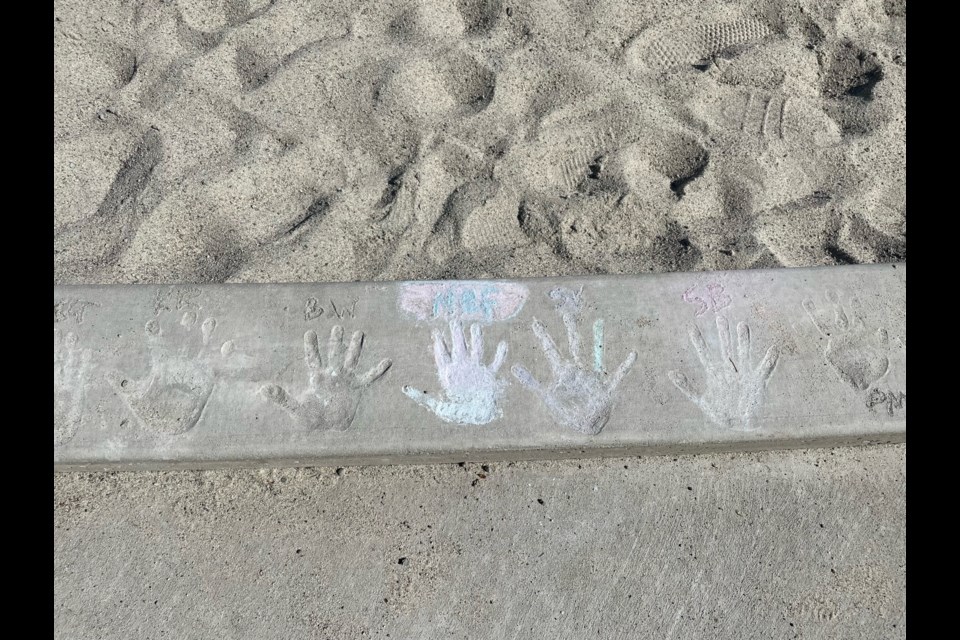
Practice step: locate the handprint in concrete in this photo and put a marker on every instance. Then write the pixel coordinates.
(71, 366)
(735, 387)
(184, 357)
(859, 356)
(334, 391)
(580, 396)
(472, 390)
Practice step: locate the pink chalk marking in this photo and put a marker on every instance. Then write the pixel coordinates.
(469, 301)
(713, 299)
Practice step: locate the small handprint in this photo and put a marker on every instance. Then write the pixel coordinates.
(735, 388)
(471, 389)
(859, 357)
(70, 367)
(331, 401)
(183, 366)
(579, 397)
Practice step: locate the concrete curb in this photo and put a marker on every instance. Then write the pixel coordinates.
(200, 376)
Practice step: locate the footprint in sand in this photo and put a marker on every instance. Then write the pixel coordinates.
(428, 89)
(681, 43)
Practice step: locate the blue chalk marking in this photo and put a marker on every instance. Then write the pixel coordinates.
(465, 301)
(442, 302)
(468, 302)
(488, 303)
(598, 346)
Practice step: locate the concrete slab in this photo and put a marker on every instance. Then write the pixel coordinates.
(365, 373)
(740, 546)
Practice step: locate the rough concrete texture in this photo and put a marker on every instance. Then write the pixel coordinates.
(738, 546)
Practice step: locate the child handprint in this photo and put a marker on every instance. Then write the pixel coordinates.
(334, 393)
(858, 357)
(71, 364)
(578, 397)
(734, 386)
(471, 389)
(183, 359)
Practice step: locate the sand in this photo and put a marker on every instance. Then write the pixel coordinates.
(330, 140)
(333, 141)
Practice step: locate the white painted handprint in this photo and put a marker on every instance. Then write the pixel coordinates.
(331, 401)
(735, 388)
(471, 389)
(579, 397)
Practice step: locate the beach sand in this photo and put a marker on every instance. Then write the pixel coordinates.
(333, 140)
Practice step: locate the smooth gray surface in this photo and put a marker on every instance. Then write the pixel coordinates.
(798, 544)
(236, 374)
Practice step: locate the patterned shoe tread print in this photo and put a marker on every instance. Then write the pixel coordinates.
(678, 48)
